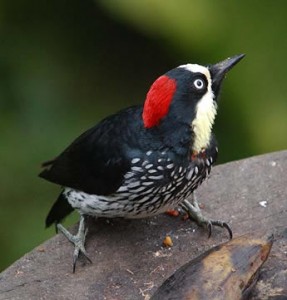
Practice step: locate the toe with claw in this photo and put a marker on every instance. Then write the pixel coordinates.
(78, 240)
(194, 212)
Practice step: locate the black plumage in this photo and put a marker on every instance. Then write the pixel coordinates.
(144, 159)
(97, 160)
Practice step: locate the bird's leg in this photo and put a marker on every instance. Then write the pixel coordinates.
(78, 240)
(194, 212)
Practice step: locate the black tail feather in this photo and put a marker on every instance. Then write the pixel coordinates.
(60, 209)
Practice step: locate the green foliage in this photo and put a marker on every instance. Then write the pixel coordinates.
(64, 65)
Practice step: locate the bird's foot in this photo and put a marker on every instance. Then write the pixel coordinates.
(78, 240)
(194, 212)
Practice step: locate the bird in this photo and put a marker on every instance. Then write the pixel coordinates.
(144, 159)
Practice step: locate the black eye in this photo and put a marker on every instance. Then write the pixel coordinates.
(199, 84)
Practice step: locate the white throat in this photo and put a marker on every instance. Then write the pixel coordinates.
(202, 124)
(205, 111)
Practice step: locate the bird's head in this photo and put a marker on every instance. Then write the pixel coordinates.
(187, 94)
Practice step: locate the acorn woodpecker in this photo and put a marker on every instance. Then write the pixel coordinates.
(145, 159)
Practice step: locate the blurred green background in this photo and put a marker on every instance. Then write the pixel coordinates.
(64, 65)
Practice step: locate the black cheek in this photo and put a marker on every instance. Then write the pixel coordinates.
(199, 92)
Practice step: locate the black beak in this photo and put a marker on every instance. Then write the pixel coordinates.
(219, 70)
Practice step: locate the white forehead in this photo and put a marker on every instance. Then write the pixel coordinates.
(197, 69)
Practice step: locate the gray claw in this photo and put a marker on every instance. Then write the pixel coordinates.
(194, 213)
(78, 240)
(222, 224)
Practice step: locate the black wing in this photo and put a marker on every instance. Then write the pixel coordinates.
(60, 209)
(97, 161)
